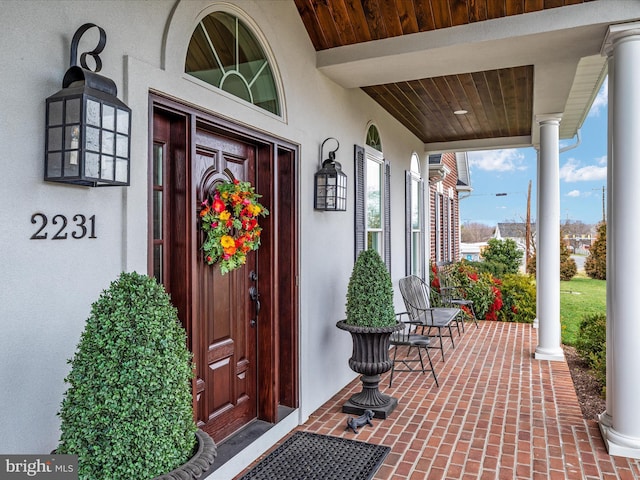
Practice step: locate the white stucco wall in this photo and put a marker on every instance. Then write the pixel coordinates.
(47, 287)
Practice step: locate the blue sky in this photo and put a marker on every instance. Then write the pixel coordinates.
(583, 173)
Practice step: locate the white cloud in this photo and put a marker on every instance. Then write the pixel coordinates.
(506, 160)
(600, 102)
(573, 172)
(573, 193)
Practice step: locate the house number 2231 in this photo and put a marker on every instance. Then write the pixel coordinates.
(79, 226)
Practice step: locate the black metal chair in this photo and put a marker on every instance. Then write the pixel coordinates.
(453, 294)
(408, 337)
(415, 294)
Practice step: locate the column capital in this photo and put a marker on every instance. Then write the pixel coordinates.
(547, 118)
(617, 32)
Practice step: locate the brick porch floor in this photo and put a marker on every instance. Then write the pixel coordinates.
(498, 414)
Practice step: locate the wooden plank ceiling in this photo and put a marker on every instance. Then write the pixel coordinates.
(499, 102)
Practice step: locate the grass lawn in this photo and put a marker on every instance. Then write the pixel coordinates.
(578, 297)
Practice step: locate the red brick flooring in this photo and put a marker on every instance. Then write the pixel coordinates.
(498, 414)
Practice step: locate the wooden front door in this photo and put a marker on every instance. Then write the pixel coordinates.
(225, 312)
(217, 310)
(245, 354)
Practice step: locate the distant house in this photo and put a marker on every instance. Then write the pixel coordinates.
(517, 232)
(472, 251)
(448, 177)
(513, 231)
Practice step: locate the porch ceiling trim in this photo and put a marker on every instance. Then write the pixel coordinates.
(562, 45)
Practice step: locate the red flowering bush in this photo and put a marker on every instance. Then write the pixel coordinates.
(511, 298)
(229, 220)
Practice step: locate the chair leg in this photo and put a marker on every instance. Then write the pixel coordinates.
(433, 370)
(441, 342)
(420, 357)
(475, 319)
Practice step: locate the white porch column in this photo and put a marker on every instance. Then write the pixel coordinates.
(620, 424)
(548, 238)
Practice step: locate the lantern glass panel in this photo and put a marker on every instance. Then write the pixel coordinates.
(123, 121)
(107, 142)
(71, 137)
(71, 167)
(55, 113)
(72, 111)
(93, 139)
(122, 146)
(54, 164)
(55, 138)
(106, 172)
(93, 113)
(121, 170)
(108, 117)
(91, 165)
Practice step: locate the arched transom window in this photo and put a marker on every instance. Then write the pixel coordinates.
(225, 53)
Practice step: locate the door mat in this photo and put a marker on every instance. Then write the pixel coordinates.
(310, 456)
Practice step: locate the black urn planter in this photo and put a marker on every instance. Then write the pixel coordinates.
(198, 465)
(370, 358)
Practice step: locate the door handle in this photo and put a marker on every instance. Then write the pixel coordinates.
(255, 297)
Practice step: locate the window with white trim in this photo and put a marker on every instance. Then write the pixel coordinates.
(414, 220)
(373, 224)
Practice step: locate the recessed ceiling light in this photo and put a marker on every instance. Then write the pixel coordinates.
(461, 112)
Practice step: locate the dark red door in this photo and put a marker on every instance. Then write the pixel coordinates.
(216, 310)
(224, 313)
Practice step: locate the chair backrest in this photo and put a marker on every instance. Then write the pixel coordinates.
(415, 294)
(446, 275)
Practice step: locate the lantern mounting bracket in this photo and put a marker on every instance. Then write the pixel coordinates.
(95, 53)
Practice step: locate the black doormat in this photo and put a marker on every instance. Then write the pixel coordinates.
(310, 456)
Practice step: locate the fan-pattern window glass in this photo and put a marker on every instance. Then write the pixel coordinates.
(373, 138)
(224, 53)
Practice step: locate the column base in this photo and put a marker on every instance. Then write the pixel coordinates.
(536, 324)
(553, 354)
(619, 445)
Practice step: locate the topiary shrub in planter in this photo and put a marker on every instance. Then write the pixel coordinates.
(370, 321)
(128, 412)
(370, 293)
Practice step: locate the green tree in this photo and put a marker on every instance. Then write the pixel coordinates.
(596, 264)
(568, 267)
(505, 252)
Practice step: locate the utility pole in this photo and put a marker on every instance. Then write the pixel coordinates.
(527, 234)
(603, 209)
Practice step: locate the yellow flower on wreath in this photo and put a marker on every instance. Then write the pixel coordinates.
(228, 219)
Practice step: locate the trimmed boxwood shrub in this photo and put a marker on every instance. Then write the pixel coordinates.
(591, 343)
(128, 412)
(370, 293)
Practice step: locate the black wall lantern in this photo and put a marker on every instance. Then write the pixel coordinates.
(330, 192)
(88, 129)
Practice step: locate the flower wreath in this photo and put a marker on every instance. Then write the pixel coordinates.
(229, 221)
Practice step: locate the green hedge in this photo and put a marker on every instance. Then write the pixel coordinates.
(591, 343)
